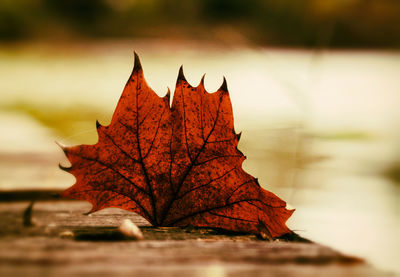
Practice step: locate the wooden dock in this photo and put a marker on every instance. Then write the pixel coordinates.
(64, 242)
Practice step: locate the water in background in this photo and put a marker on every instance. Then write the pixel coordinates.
(320, 129)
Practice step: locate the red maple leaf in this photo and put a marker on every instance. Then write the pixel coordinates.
(174, 165)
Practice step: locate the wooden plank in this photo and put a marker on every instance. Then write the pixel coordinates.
(93, 250)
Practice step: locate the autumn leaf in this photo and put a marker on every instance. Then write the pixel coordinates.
(174, 165)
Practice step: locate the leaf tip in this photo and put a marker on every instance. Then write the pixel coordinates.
(59, 144)
(168, 95)
(202, 80)
(224, 86)
(98, 125)
(65, 168)
(138, 65)
(181, 76)
(62, 146)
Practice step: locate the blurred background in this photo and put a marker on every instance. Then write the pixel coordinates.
(314, 86)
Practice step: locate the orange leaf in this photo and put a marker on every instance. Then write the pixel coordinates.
(175, 166)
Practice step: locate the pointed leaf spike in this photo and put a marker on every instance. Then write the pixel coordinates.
(138, 65)
(202, 80)
(181, 76)
(224, 86)
(65, 168)
(62, 146)
(59, 144)
(98, 125)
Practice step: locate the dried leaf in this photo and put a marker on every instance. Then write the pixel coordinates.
(174, 165)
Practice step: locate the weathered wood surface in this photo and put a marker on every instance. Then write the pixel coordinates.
(96, 250)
